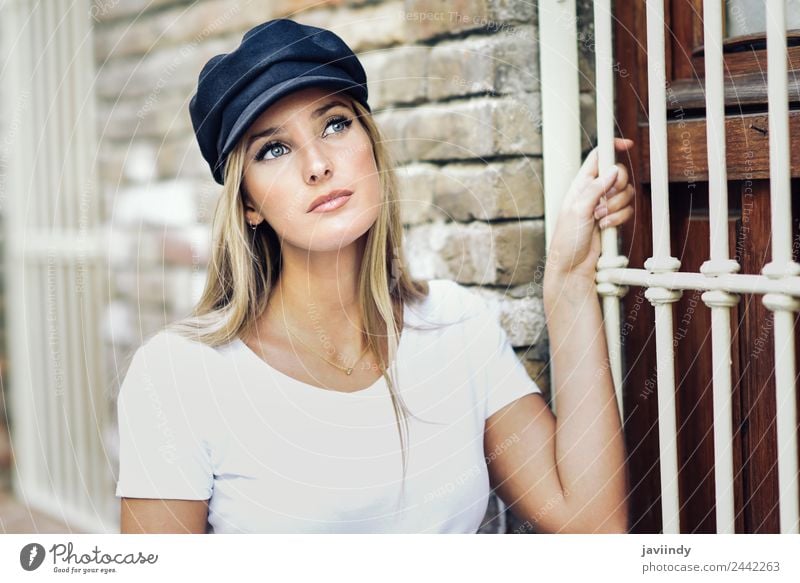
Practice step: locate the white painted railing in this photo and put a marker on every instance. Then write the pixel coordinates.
(55, 265)
(718, 278)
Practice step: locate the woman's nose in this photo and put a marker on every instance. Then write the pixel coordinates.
(318, 164)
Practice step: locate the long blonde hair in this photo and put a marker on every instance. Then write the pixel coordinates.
(244, 267)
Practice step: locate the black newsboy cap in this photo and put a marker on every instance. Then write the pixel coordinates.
(274, 59)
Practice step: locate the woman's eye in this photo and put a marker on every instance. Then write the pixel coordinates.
(271, 147)
(341, 121)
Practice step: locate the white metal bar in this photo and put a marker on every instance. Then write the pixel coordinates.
(721, 303)
(779, 153)
(785, 409)
(661, 261)
(782, 266)
(561, 118)
(610, 258)
(715, 140)
(719, 264)
(657, 114)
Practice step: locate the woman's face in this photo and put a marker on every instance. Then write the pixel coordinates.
(319, 146)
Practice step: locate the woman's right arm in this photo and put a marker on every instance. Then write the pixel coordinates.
(163, 516)
(166, 474)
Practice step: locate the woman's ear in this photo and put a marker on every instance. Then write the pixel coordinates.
(251, 214)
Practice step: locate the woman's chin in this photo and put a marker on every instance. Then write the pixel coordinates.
(328, 238)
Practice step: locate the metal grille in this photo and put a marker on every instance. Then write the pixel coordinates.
(718, 278)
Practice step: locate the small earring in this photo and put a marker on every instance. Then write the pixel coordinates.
(254, 226)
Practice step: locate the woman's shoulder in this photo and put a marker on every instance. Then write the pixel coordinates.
(449, 302)
(168, 352)
(170, 341)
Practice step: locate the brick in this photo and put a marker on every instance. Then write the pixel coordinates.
(396, 75)
(473, 129)
(518, 245)
(502, 64)
(425, 20)
(416, 186)
(363, 28)
(476, 253)
(159, 71)
(159, 116)
(194, 24)
(511, 189)
(522, 319)
(107, 10)
(514, 10)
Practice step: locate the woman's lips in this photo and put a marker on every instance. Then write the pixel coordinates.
(332, 205)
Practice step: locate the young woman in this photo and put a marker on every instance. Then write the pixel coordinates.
(317, 387)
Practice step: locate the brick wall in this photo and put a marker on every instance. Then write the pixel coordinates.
(454, 86)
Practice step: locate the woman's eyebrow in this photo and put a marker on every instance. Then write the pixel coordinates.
(269, 132)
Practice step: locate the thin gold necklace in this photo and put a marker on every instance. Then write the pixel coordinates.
(344, 368)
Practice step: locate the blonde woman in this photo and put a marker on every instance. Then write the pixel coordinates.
(317, 387)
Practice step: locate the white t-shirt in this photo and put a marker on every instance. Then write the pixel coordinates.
(276, 455)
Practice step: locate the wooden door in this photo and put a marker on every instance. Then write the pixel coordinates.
(754, 441)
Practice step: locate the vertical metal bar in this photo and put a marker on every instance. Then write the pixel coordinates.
(719, 263)
(782, 266)
(610, 258)
(720, 303)
(561, 132)
(662, 298)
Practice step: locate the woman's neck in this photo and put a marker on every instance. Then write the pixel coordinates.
(317, 293)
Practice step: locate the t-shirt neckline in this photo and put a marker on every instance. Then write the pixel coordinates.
(379, 382)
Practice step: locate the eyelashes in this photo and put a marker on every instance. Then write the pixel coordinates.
(274, 144)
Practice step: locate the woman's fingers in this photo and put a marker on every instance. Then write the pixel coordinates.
(614, 203)
(617, 218)
(622, 178)
(590, 164)
(622, 143)
(600, 186)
